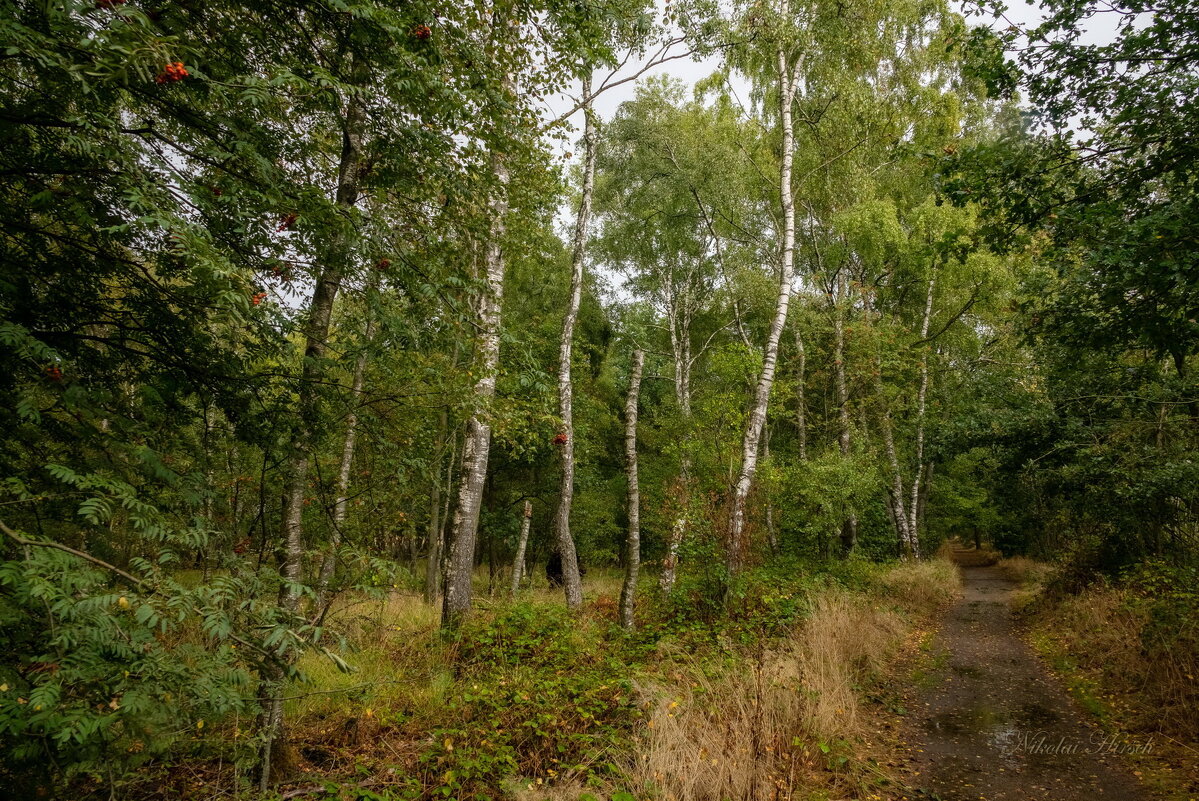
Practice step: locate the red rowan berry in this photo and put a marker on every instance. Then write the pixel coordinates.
(175, 71)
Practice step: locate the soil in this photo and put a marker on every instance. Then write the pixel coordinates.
(992, 723)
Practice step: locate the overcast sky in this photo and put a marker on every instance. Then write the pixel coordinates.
(1099, 28)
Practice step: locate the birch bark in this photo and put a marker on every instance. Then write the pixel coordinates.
(788, 78)
(679, 314)
(628, 592)
(849, 526)
(316, 333)
(895, 493)
(921, 401)
(518, 563)
(476, 446)
(571, 580)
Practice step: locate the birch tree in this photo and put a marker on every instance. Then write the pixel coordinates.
(464, 525)
(564, 542)
(628, 591)
(788, 73)
(518, 561)
(663, 227)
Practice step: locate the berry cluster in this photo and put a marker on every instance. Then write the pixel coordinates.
(175, 71)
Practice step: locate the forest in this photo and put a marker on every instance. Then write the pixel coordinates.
(599, 400)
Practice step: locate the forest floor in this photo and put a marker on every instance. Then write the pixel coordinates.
(989, 721)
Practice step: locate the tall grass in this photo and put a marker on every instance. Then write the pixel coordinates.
(776, 722)
(766, 718)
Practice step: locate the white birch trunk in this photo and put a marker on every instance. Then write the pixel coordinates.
(518, 562)
(476, 446)
(923, 499)
(788, 81)
(571, 580)
(670, 564)
(679, 319)
(316, 333)
(628, 592)
(921, 400)
(896, 507)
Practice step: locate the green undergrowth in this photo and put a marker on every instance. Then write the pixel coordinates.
(528, 701)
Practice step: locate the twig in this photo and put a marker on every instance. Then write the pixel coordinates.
(25, 541)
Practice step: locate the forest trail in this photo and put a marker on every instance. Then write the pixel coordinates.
(992, 723)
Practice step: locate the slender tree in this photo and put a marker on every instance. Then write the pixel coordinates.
(789, 72)
(628, 591)
(518, 561)
(564, 542)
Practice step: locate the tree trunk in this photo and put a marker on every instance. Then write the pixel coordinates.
(433, 560)
(670, 564)
(788, 82)
(341, 498)
(679, 319)
(518, 562)
(801, 408)
(921, 399)
(897, 511)
(571, 580)
(628, 592)
(447, 497)
(316, 333)
(923, 500)
(849, 526)
(464, 526)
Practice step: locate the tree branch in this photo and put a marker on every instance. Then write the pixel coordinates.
(25, 541)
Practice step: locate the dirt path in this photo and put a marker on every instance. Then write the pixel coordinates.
(993, 724)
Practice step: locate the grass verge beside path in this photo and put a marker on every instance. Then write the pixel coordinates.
(764, 698)
(1129, 653)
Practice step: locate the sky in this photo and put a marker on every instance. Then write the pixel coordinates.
(1100, 28)
(1025, 15)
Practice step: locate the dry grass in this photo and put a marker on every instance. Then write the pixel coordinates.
(1102, 632)
(922, 587)
(777, 723)
(967, 555)
(1097, 640)
(1026, 571)
(1031, 575)
(755, 732)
